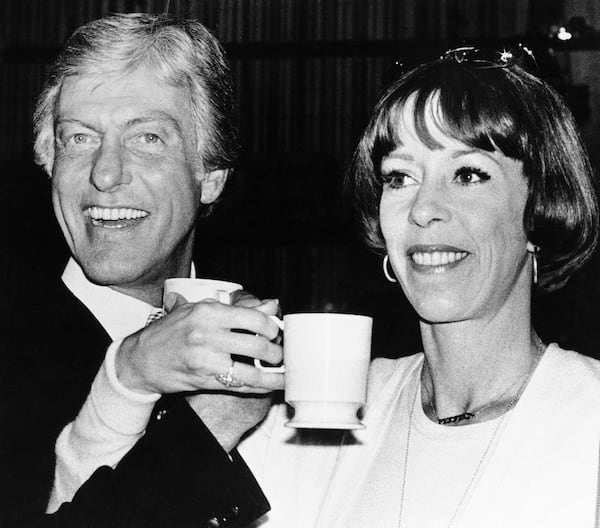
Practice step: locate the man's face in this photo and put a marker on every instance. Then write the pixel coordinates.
(126, 180)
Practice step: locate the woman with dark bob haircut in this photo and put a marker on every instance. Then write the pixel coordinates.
(471, 180)
(493, 109)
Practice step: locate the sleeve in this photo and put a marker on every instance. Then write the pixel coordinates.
(93, 506)
(109, 423)
(176, 475)
(214, 486)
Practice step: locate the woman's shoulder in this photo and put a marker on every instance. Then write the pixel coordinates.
(574, 360)
(382, 366)
(575, 369)
(385, 371)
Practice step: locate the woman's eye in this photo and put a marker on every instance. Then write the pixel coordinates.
(398, 179)
(467, 175)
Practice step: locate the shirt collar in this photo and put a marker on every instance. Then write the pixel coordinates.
(119, 314)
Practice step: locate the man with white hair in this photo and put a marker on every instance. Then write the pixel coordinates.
(134, 127)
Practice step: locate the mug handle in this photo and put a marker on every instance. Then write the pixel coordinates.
(259, 365)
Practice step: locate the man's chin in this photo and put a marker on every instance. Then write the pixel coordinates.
(112, 274)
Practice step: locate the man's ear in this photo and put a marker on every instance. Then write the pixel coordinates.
(213, 183)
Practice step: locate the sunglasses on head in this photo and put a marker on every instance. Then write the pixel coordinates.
(474, 57)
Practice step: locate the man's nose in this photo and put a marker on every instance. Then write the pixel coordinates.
(108, 171)
(430, 205)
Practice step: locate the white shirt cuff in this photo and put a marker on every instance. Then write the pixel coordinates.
(111, 373)
(120, 408)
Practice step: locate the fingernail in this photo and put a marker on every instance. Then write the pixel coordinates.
(276, 301)
(170, 300)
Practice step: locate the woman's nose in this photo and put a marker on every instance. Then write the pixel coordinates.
(429, 205)
(108, 172)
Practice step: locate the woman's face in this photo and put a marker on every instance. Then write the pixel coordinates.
(452, 219)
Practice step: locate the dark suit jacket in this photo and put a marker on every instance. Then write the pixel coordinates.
(50, 351)
(177, 475)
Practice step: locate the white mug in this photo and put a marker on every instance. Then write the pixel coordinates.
(326, 364)
(196, 290)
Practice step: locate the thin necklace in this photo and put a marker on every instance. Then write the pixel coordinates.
(485, 453)
(469, 415)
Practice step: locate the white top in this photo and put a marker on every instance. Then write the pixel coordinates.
(442, 461)
(541, 470)
(113, 417)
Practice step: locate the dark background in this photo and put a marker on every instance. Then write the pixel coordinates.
(307, 74)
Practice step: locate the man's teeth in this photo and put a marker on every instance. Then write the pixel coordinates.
(122, 213)
(438, 258)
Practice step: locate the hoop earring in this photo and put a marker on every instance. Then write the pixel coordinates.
(389, 276)
(534, 263)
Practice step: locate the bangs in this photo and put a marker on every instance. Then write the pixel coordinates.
(463, 103)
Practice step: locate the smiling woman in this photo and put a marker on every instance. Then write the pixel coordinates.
(452, 220)
(468, 173)
(494, 110)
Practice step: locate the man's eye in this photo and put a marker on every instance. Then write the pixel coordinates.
(397, 179)
(150, 138)
(78, 139)
(468, 175)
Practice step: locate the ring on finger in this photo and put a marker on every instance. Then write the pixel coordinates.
(227, 379)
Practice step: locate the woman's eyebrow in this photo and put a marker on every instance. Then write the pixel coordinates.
(459, 153)
(399, 155)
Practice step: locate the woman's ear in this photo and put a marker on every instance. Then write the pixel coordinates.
(532, 248)
(213, 183)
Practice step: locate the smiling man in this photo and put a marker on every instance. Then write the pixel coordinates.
(134, 127)
(129, 223)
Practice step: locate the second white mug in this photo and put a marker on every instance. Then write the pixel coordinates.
(326, 364)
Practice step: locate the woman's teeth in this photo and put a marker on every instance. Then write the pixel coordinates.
(437, 258)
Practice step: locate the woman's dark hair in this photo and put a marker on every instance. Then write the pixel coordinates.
(495, 108)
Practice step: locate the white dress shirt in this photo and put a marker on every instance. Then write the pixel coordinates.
(113, 417)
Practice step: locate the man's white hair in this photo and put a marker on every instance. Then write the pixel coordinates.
(182, 52)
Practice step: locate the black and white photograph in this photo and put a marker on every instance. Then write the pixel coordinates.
(300, 264)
